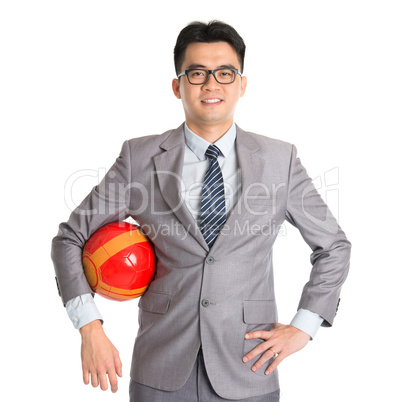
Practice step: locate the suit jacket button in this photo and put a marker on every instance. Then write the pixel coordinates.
(205, 302)
(210, 260)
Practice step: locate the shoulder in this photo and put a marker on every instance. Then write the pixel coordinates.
(154, 139)
(264, 145)
(151, 145)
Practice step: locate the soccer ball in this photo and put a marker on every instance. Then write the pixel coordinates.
(119, 261)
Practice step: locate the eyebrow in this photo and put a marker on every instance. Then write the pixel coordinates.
(194, 65)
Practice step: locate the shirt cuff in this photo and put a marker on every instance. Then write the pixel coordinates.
(82, 310)
(307, 321)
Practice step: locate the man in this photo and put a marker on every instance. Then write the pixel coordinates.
(208, 321)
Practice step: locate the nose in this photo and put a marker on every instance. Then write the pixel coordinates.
(211, 83)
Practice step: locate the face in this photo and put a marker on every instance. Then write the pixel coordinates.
(211, 105)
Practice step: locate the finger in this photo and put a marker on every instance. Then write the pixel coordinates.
(94, 379)
(269, 354)
(118, 366)
(274, 364)
(258, 350)
(258, 334)
(103, 381)
(85, 376)
(113, 381)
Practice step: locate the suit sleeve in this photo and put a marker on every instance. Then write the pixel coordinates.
(107, 202)
(330, 248)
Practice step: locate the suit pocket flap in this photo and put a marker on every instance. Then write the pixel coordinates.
(155, 302)
(260, 312)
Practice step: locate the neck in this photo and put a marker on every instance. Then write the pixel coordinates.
(210, 133)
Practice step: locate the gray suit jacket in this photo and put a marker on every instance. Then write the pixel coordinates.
(200, 296)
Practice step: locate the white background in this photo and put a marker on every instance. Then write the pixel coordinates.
(77, 78)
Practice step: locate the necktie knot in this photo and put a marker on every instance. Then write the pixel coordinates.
(212, 152)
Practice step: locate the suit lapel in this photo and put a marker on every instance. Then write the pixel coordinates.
(251, 171)
(169, 166)
(250, 164)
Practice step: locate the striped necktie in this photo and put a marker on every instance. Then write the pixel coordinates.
(213, 210)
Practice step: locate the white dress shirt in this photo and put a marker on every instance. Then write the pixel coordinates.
(83, 310)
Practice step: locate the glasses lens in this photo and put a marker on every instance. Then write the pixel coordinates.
(197, 76)
(225, 76)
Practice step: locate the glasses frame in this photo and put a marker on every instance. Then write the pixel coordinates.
(186, 72)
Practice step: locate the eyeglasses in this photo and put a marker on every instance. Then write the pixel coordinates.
(199, 76)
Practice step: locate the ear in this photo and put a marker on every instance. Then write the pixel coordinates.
(243, 86)
(176, 88)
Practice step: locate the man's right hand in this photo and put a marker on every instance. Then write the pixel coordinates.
(99, 357)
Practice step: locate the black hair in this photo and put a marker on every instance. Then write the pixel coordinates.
(214, 31)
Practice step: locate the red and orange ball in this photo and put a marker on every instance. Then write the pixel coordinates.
(119, 261)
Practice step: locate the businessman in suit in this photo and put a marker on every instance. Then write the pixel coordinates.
(211, 197)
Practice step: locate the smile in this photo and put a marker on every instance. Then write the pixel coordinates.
(211, 100)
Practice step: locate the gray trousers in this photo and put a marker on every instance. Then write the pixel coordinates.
(197, 389)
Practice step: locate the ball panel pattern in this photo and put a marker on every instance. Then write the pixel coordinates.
(119, 261)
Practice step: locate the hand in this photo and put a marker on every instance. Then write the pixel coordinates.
(99, 357)
(283, 339)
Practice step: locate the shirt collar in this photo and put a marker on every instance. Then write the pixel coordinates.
(199, 146)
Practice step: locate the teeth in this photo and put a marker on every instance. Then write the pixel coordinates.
(211, 100)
